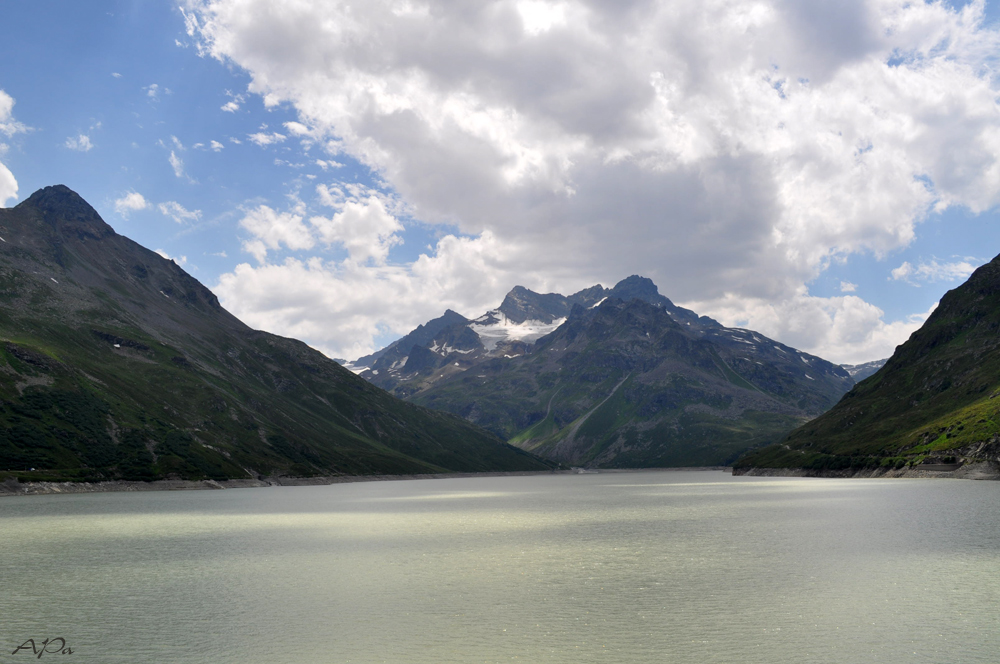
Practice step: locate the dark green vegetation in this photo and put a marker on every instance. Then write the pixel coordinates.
(634, 382)
(117, 364)
(936, 401)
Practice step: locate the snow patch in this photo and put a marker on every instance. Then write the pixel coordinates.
(500, 328)
(598, 303)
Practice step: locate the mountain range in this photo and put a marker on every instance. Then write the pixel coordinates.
(618, 377)
(117, 364)
(934, 405)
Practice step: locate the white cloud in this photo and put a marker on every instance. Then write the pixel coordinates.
(272, 229)
(933, 271)
(8, 185)
(342, 307)
(234, 102)
(178, 212)
(152, 91)
(363, 227)
(130, 202)
(116, 74)
(79, 143)
(848, 287)
(538, 17)
(843, 329)
(8, 127)
(328, 163)
(216, 146)
(176, 163)
(263, 139)
(729, 150)
(297, 129)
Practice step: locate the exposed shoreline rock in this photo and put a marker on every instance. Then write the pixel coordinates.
(12, 487)
(985, 470)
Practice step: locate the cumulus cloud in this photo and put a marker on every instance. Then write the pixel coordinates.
(933, 271)
(365, 228)
(178, 212)
(8, 185)
(729, 150)
(341, 306)
(271, 230)
(216, 146)
(843, 329)
(130, 202)
(234, 102)
(79, 143)
(848, 287)
(297, 129)
(8, 127)
(327, 164)
(264, 139)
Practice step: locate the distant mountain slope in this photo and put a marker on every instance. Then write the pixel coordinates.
(934, 402)
(615, 383)
(115, 363)
(419, 337)
(861, 371)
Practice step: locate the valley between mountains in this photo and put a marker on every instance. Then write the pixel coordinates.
(610, 377)
(115, 364)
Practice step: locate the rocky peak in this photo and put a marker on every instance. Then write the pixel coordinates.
(637, 288)
(522, 304)
(66, 211)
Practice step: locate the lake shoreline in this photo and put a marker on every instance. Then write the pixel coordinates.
(12, 487)
(985, 470)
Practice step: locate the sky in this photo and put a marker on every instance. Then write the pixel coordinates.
(821, 172)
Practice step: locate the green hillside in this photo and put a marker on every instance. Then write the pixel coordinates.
(936, 401)
(115, 363)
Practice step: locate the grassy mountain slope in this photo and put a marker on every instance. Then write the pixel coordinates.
(937, 399)
(115, 363)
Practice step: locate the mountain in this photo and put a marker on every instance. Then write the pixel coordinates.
(418, 337)
(933, 405)
(861, 371)
(616, 377)
(116, 363)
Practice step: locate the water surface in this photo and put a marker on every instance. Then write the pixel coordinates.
(692, 567)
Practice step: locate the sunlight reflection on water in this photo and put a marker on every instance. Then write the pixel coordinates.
(636, 567)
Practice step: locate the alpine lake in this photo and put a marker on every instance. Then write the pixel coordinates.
(657, 566)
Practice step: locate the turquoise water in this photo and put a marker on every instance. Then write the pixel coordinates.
(666, 566)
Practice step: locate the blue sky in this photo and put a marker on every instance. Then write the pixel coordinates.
(342, 177)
